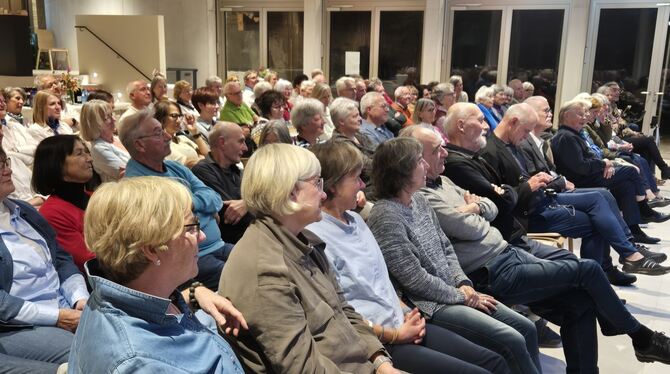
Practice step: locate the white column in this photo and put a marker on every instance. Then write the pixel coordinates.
(312, 43)
(573, 68)
(433, 40)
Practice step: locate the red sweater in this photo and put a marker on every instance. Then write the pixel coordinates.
(68, 221)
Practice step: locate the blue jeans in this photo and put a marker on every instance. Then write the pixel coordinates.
(505, 332)
(210, 267)
(40, 349)
(591, 216)
(444, 351)
(574, 290)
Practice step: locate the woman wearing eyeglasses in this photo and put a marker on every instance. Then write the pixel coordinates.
(97, 127)
(182, 149)
(145, 238)
(63, 166)
(279, 277)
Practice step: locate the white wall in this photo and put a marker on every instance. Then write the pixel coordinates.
(190, 27)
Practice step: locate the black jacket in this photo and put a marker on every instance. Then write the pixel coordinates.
(574, 159)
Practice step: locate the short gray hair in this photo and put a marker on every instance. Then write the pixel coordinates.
(303, 112)
(602, 98)
(398, 91)
(342, 82)
(455, 79)
(282, 84)
(340, 108)
(262, 87)
(483, 92)
(368, 100)
(211, 80)
(130, 129)
(497, 88)
(569, 106)
(441, 90)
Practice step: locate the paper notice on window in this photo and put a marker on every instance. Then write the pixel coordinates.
(352, 63)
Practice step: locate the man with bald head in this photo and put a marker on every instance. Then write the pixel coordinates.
(566, 290)
(139, 95)
(502, 163)
(220, 172)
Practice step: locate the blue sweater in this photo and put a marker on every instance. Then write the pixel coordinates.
(206, 202)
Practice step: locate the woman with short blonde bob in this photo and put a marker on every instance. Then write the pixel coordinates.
(46, 117)
(97, 127)
(146, 239)
(279, 277)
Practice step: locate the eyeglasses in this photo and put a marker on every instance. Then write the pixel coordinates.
(5, 164)
(193, 228)
(155, 134)
(176, 116)
(316, 182)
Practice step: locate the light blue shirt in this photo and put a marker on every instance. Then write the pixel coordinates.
(108, 159)
(35, 279)
(206, 202)
(360, 269)
(377, 134)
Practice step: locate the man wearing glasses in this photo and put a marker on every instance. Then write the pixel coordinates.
(148, 145)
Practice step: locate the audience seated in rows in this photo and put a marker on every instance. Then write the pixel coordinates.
(414, 345)
(279, 278)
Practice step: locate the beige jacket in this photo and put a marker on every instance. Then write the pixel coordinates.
(299, 321)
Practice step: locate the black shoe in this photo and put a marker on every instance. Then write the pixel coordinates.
(658, 202)
(656, 256)
(665, 172)
(546, 337)
(618, 278)
(623, 301)
(655, 216)
(644, 266)
(645, 239)
(658, 350)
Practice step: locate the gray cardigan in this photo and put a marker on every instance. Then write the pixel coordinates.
(475, 241)
(419, 257)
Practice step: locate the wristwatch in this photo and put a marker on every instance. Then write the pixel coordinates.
(381, 360)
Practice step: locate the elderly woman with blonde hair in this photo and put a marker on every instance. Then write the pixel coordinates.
(279, 277)
(146, 239)
(307, 118)
(97, 128)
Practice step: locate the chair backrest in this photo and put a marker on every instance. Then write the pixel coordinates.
(45, 39)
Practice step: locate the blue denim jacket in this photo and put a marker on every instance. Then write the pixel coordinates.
(126, 331)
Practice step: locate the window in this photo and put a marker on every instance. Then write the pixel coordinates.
(285, 43)
(349, 32)
(475, 40)
(400, 36)
(242, 41)
(535, 48)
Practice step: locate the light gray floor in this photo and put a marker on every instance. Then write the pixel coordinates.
(648, 300)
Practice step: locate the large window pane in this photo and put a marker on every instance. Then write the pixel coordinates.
(475, 43)
(349, 32)
(623, 54)
(400, 37)
(285, 40)
(535, 49)
(242, 41)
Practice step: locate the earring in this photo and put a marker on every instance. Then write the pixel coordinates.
(158, 262)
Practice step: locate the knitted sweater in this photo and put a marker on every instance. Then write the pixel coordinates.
(420, 259)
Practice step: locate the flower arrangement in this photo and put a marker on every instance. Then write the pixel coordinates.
(70, 84)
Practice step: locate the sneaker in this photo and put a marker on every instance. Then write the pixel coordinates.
(546, 337)
(645, 266)
(658, 350)
(618, 278)
(656, 256)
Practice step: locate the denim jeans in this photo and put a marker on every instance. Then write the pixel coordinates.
(505, 332)
(517, 277)
(40, 349)
(210, 267)
(444, 351)
(591, 216)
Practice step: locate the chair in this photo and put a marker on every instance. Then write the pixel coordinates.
(45, 44)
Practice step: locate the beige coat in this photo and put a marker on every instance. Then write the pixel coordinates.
(299, 321)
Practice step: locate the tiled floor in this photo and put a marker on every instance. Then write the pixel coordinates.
(648, 300)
